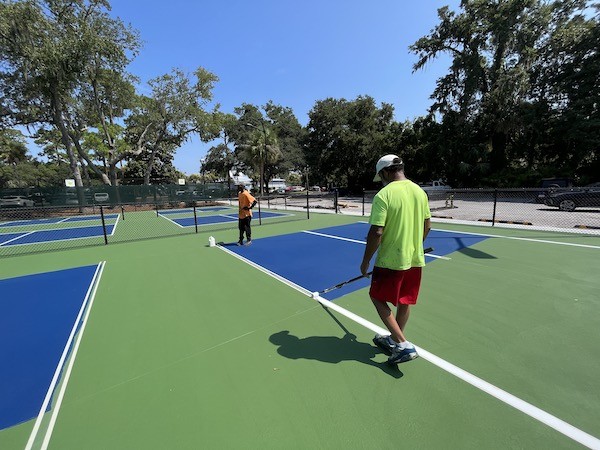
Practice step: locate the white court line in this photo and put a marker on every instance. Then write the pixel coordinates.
(59, 367)
(332, 236)
(170, 220)
(17, 238)
(532, 411)
(115, 225)
(543, 241)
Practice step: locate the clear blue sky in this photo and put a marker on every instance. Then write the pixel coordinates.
(291, 52)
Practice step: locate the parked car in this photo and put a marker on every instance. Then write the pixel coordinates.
(11, 201)
(588, 196)
(435, 185)
(435, 190)
(550, 185)
(39, 199)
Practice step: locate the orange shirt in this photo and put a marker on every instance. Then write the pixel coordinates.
(245, 199)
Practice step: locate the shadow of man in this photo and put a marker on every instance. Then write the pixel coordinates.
(330, 349)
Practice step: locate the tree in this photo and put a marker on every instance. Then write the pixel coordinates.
(257, 146)
(13, 148)
(567, 88)
(503, 93)
(346, 138)
(290, 137)
(220, 158)
(110, 93)
(164, 120)
(47, 49)
(260, 152)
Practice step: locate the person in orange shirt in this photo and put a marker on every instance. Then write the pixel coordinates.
(246, 202)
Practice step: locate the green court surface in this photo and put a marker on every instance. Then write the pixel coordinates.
(187, 347)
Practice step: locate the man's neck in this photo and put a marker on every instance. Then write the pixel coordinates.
(399, 176)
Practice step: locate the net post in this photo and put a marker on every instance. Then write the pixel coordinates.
(495, 202)
(307, 201)
(195, 219)
(259, 214)
(122, 212)
(363, 202)
(103, 225)
(335, 200)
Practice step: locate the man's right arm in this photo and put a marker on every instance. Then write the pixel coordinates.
(426, 228)
(373, 241)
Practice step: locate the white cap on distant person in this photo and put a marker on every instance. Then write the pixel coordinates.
(386, 161)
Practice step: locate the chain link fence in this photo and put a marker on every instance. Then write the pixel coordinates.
(115, 195)
(568, 209)
(28, 229)
(169, 211)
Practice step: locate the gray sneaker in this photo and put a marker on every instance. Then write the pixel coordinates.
(385, 343)
(400, 355)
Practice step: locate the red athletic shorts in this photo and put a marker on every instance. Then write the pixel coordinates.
(395, 286)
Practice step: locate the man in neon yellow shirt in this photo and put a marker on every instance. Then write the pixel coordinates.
(400, 221)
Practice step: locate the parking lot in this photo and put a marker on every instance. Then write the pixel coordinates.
(508, 211)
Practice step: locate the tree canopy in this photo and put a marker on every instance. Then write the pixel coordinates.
(519, 102)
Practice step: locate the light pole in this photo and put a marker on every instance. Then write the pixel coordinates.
(262, 154)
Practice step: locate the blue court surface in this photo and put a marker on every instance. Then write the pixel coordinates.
(222, 218)
(319, 259)
(59, 234)
(53, 220)
(38, 313)
(191, 210)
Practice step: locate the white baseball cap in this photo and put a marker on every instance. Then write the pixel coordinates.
(386, 161)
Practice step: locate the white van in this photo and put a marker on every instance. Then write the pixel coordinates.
(277, 185)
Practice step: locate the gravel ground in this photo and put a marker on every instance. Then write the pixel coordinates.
(510, 213)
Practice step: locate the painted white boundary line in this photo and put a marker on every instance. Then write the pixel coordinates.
(112, 233)
(17, 238)
(532, 411)
(171, 220)
(332, 236)
(63, 387)
(543, 241)
(92, 288)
